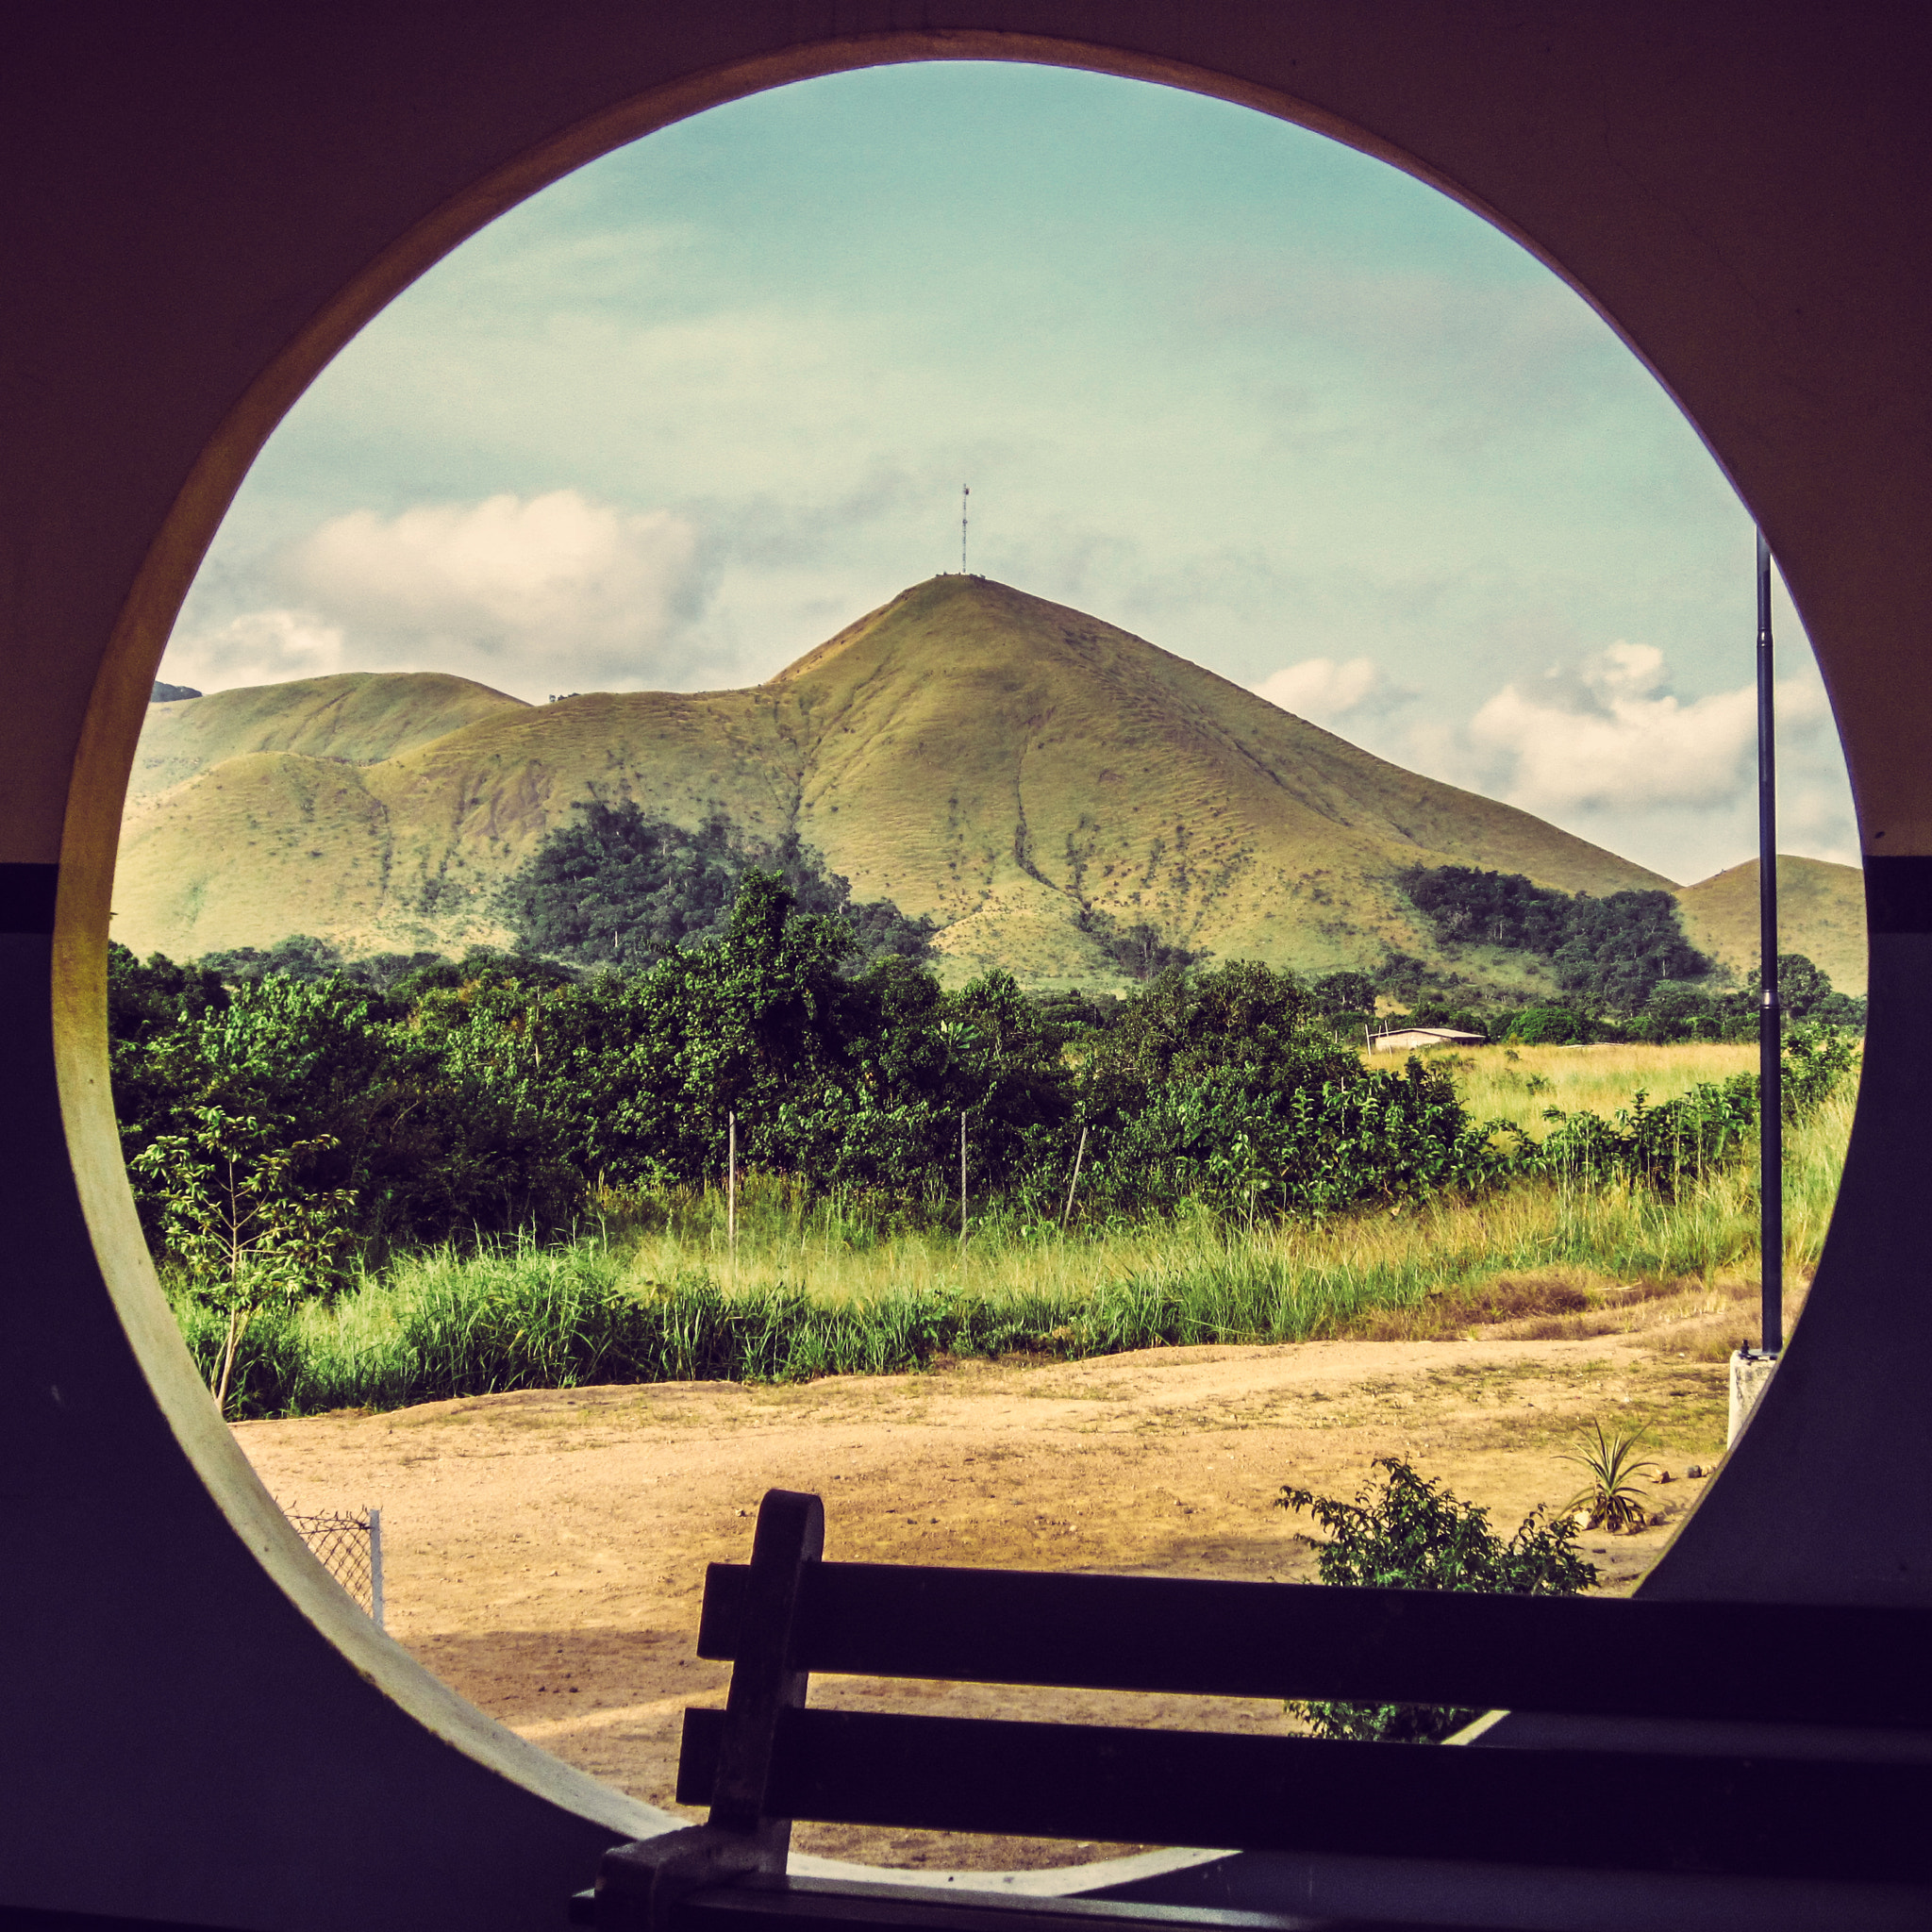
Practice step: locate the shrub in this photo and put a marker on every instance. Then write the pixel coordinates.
(1546, 1027)
(1415, 1536)
(1661, 1146)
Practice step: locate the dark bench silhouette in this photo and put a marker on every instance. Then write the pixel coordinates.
(765, 1760)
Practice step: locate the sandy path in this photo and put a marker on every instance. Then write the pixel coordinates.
(545, 1552)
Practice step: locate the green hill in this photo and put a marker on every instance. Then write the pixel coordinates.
(999, 762)
(358, 718)
(1820, 914)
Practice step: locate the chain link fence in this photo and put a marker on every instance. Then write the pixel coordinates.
(349, 1547)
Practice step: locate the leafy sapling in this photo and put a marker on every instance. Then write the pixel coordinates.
(235, 1218)
(1413, 1534)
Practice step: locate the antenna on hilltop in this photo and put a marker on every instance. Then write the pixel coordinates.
(965, 491)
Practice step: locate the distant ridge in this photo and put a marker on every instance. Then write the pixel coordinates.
(359, 717)
(1013, 768)
(1820, 914)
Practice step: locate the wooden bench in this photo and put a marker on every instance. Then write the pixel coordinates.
(765, 1760)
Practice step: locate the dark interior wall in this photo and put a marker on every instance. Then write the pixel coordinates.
(202, 203)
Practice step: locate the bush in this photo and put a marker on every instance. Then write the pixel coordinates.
(1546, 1027)
(1660, 1146)
(1817, 1062)
(1415, 1536)
(1663, 1147)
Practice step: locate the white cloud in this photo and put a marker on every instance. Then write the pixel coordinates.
(1607, 750)
(554, 584)
(1321, 689)
(1613, 737)
(554, 591)
(257, 647)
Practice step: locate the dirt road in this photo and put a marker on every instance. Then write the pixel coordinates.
(545, 1552)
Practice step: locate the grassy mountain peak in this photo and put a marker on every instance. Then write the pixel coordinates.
(1017, 770)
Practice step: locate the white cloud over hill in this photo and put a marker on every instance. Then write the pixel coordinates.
(509, 591)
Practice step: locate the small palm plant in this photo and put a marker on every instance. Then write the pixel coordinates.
(1608, 1500)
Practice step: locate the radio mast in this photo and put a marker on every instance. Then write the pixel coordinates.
(965, 491)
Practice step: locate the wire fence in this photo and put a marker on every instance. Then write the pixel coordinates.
(350, 1549)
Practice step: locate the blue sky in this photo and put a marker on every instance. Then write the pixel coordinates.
(1264, 401)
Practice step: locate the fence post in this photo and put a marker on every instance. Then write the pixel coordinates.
(1080, 1155)
(376, 1567)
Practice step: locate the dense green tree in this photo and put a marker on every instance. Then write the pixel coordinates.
(1607, 954)
(301, 955)
(1546, 1027)
(148, 998)
(1692, 1010)
(1344, 995)
(1139, 950)
(1228, 1085)
(1804, 991)
(497, 1092)
(616, 887)
(422, 1151)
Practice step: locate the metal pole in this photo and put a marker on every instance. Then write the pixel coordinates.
(731, 1195)
(1770, 1158)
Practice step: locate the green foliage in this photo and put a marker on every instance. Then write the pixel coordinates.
(416, 1145)
(1817, 1062)
(1345, 994)
(1607, 953)
(232, 1212)
(616, 888)
(1806, 994)
(1660, 1146)
(1546, 1027)
(1072, 1016)
(301, 956)
(148, 998)
(1681, 1010)
(1664, 1147)
(839, 1280)
(298, 956)
(1226, 1087)
(1139, 950)
(499, 1096)
(1413, 1534)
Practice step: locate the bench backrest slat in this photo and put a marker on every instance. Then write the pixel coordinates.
(1583, 1656)
(1777, 1816)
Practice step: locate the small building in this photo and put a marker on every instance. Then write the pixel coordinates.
(1411, 1039)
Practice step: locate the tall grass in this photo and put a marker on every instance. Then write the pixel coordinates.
(820, 1287)
(1517, 1083)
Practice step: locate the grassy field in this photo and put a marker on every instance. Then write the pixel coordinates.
(813, 1287)
(1518, 1083)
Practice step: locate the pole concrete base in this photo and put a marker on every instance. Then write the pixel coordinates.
(1750, 1373)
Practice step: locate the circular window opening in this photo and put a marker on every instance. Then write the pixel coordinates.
(786, 774)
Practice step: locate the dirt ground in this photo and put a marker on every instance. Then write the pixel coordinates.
(545, 1552)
